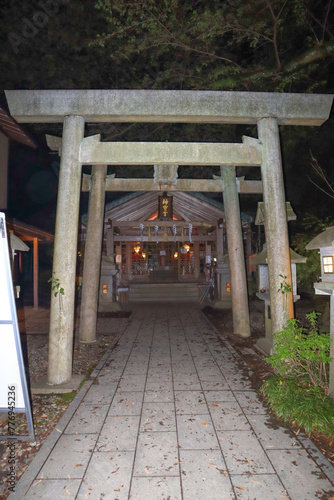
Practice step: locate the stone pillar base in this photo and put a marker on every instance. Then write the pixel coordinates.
(265, 345)
(109, 307)
(222, 304)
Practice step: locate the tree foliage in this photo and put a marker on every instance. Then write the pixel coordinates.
(280, 45)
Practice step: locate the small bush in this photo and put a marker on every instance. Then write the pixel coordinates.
(301, 354)
(307, 407)
(298, 392)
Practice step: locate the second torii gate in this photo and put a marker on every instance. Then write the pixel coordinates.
(75, 107)
(98, 182)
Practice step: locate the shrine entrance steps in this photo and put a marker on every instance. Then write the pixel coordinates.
(164, 292)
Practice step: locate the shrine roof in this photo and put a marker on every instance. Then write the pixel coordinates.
(189, 206)
(322, 240)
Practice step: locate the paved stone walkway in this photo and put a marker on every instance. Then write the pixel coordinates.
(169, 414)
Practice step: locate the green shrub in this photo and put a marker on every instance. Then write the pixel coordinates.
(298, 392)
(302, 355)
(307, 407)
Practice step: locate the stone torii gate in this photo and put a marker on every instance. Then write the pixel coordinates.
(165, 179)
(75, 107)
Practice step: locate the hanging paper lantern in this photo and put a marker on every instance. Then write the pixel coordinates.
(190, 232)
(174, 231)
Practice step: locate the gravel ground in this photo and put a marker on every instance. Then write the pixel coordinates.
(48, 409)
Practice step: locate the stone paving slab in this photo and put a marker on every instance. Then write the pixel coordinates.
(108, 476)
(100, 394)
(250, 402)
(196, 432)
(126, 403)
(161, 396)
(228, 416)
(157, 454)
(220, 395)
(204, 475)
(271, 436)
(119, 433)
(70, 457)
(55, 488)
(170, 413)
(243, 453)
(157, 417)
(301, 478)
(156, 487)
(87, 419)
(261, 487)
(190, 403)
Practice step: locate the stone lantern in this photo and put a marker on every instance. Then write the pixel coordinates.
(266, 344)
(325, 243)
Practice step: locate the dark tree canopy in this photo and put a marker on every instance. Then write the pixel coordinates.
(258, 45)
(280, 45)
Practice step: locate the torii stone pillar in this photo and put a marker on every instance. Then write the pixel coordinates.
(65, 253)
(92, 261)
(276, 227)
(235, 247)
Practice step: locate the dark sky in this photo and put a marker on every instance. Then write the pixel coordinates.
(62, 52)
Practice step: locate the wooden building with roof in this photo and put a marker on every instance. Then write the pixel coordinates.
(142, 248)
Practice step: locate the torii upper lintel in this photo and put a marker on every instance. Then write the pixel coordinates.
(187, 106)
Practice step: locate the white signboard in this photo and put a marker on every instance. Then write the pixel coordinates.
(13, 386)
